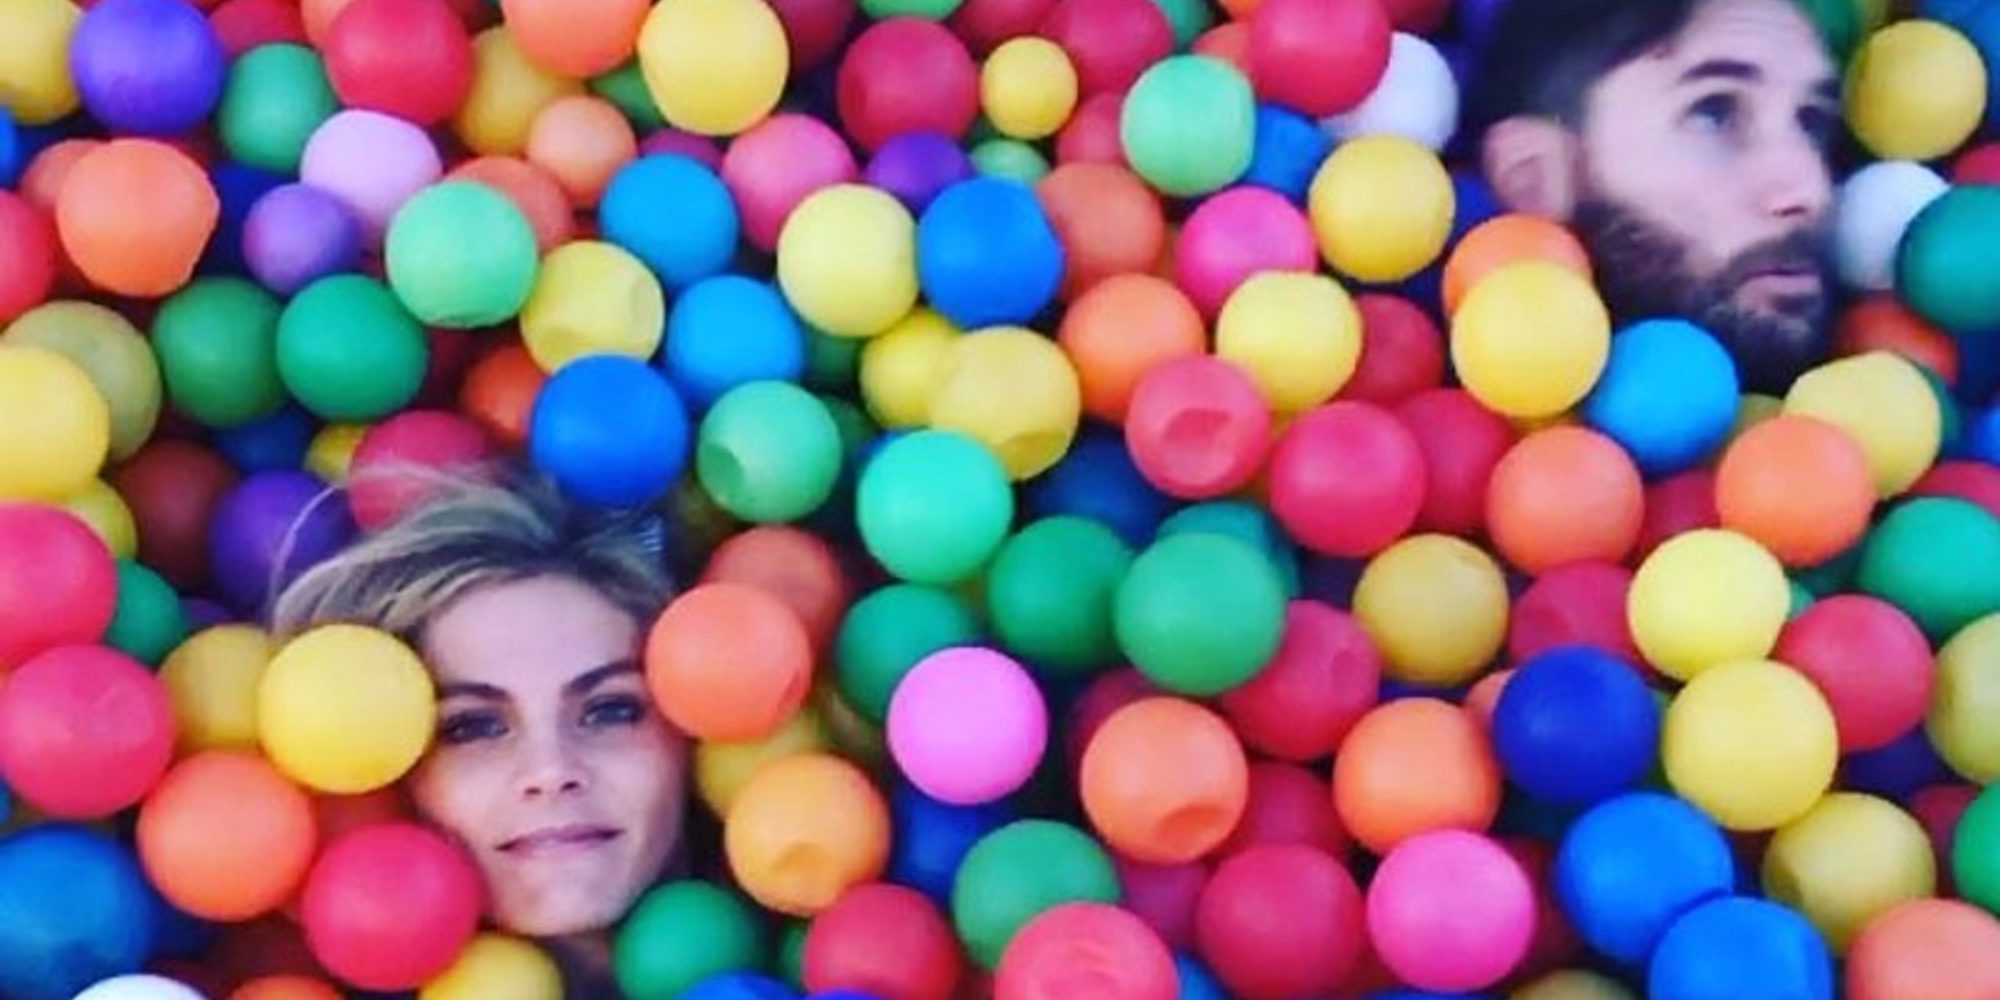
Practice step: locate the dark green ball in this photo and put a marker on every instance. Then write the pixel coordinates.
(275, 98)
(884, 635)
(1944, 266)
(217, 343)
(682, 933)
(1200, 613)
(349, 352)
(1938, 559)
(1017, 872)
(1051, 591)
(149, 622)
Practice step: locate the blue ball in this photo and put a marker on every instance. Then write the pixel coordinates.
(177, 934)
(1244, 522)
(610, 431)
(276, 443)
(1425, 995)
(1576, 725)
(1630, 866)
(728, 330)
(1197, 983)
(1732, 948)
(6, 805)
(987, 254)
(1978, 369)
(1473, 202)
(674, 214)
(739, 986)
(1668, 394)
(1098, 479)
(74, 909)
(147, 67)
(1289, 149)
(1980, 439)
(12, 154)
(1898, 770)
(238, 187)
(932, 838)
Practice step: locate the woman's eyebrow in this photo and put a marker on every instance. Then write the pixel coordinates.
(589, 679)
(471, 689)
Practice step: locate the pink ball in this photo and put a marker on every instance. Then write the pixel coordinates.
(1347, 479)
(906, 74)
(1098, 702)
(1280, 921)
(1086, 949)
(1575, 604)
(1870, 661)
(1197, 427)
(1324, 678)
(1164, 896)
(1236, 234)
(1462, 442)
(402, 461)
(371, 161)
(967, 725)
(1676, 505)
(673, 141)
(1092, 133)
(85, 732)
(1450, 911)
(437, 897)
(1288, 805)
(775, 165)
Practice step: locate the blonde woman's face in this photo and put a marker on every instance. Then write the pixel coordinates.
(550, 764)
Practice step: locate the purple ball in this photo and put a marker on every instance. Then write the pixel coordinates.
(205, 614)
(298, 234)
(256, 523)
(916, 166)
(147, 67)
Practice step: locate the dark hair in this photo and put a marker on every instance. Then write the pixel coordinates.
(1543, 56)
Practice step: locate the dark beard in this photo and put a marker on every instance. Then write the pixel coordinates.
(1643, 273)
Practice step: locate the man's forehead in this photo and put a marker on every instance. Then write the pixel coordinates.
(1771, 38)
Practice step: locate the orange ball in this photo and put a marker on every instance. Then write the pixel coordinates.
(804, 830)
(1565, 494)
(1926, 949)
(1484, 697)
(1164, 780)
(318, 16)
(42, 182)
(135, 215)
(531, 189)
(1413, 766)
(1108, 220)
(575, 38)
(1230, 40)
(1504, 240)
(224, 836)
(499, 393)
(729, 662)
(793, 565)
(286, 988)
(1122, 328)
(582, 141)
(1882, 323)
(1797, 485)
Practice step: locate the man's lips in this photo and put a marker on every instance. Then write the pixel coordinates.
(558, 839)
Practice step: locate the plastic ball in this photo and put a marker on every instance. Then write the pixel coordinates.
(216, 343)
(610, 431)
(213, 679)
(84, 732)
(886, 940)
(1922, 546)
(1968, 666)
(847, 260)
(1741, 947)
(409, 59)
(1665, 431)
(1320, 682)
(1197, 426)
(1628, 868)
(1164, 897)
(931, 840)
(1846, 862)
(1243, 521)
(27, 254)
(139, 987)
(296, 235)
(1883, 322)
(1531, 339)
(1415, 98)
(1200, 614)
(1028, 87)
(723, 769)
(1287, 804)
(78, 910)
(581, 142)
(987, 254)
(714, 67)
(915, 166)
(147, 67)
(900, 369)
(391, 462)
(1563, 495)
(673, 214)
(276, 97)
(1450, 910)
(1509, 239)
(776, 165)
(1572, 984)
(1461, 443)
(508, 91)
(495, 965)
(1757, 495)
(933, 506)
(371, 161)
(1885, 403)
(460, 255)
(1925, 948)
(1318, 57)
(1112, 42)
(1050, 594)
(1435, 606)
(173, 489)
(592, 298)
(211, 812)
(149, 621)
(1233, 237)
(1346, 479)
(109, 518)
(1413, 766)
(768, 452)
(1298, 335)
(1188, 126)
(1877, 205)
(267, 530)
(438, 896)
(906, 75)
(1870, 661)
(1112, 950)
(804, 830)
(1916, 90)
(134, 215)
(1012, 390)
(345, 709)
(1576, 726)
(681, 933)
(1752, 743)
(887, 633)
(120, 363)
(1932, 273)
(349, 351)
(1281, 920)
(728, 661)
(1381, 208)
(1581, 604)
(1705, 598)
(1009, 160)
(1019, 871)
(928, 725)
(34, 64)
(1402, 352)
(1164, 780)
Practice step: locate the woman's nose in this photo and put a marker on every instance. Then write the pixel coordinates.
(549, 769)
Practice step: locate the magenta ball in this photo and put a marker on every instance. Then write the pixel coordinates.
(1164, 896)
(147, 67)
(1236, 234)
(1099, 702)
(371, 161)
(906, 74)
(915, 166)
(1347, 479)
(674, 142)
(967, 725)
(297, 235)
(1198, 427)
(1870, 660)
(1451, 911)
(774, 166)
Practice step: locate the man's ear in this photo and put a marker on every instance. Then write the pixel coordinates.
(1531, 164)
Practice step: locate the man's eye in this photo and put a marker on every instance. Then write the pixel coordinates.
(1820, 124)
(1716, 112)
(469, 727)
(613, 710)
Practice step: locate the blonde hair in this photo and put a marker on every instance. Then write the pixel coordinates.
(477, 528)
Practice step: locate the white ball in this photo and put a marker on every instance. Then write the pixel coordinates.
(139, 988)
(1876, 207)
(1416, 99)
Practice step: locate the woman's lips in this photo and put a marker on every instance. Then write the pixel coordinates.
(557, 840)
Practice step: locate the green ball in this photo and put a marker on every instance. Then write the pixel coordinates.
(1943, 263)
(1832, 576)
(682, 933)
(1017, 872)
(1011, 159)
(1802, 599)
(1938, 559)
(929, 10)
(884, 635)
(349, 352)
(1951, 422)
(1244, 522)
(217, 341)
(1975, 851)
(276, 97)
(1050, 594)
(461, 255)
(769, 452)
(933, 506)
(1188, 18)
(833, 364)
(1839, 24)
(1200, 613)
(1189, 125)
(149, 622)
(792, 953)
(625, 87)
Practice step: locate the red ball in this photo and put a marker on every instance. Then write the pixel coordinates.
(1164, 896)
(906, 74)
(1676, 505)
(408, 58)
(437, 898)
(1091, 136)
(1280, 921)
(85, 731)
(984, 24)
(1318, 57)
(1324, 678)
(452, 354)
(1461, 441)
(1288, 805)
(1870, 661)
(173, 489)
(1347, 479)
(1976, 482)
(1575, 604)
(27, 256)
(58, 582)
(813, 29)
(1402, 351)
(1978, 165)
(1555, 944)
(1417, 16)
(1098, 702)
(1197, 427)
(1110, 42)
(1939, 808)
(242, 25)
(883, 939)
(404, 460)
(1086, 949)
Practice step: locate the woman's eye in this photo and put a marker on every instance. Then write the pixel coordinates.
(615, 710)
(1716, 112)
(468, 727)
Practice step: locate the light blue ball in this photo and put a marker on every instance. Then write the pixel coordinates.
(1288, 150)
(987, 253)
(74, 909)
(610, 431)
(1668, 394)
(1632, 865)
(1979, 440)
(730, 330)
(12, 156)
(1741, 948)
(674, 214)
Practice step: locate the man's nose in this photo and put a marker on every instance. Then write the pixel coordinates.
(1793, 182)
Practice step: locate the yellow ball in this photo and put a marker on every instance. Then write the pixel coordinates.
(1706, 598)
(1967, 701)
(35, 84)
(592, 298)
(1751, 743)
(332, 451)
(497, 967)
(1381, 208)
(714, 67)
(345, 709)
(1886, 403)
(109, 517)
(1015, 391)
(508, 92)
(55, 427)
(1436, 607)
(804, 831)
(212, 679)
(1572, 984)
(1297, 335)
(1028, 88)
(847, 260)
(900, 369)
(722, 769)
(1531, 339)
(112, 352)
(1850, 859)
(1916, 90)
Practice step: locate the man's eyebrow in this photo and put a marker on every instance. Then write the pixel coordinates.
(584, 682)
(1722, 69)
(1828, 90)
